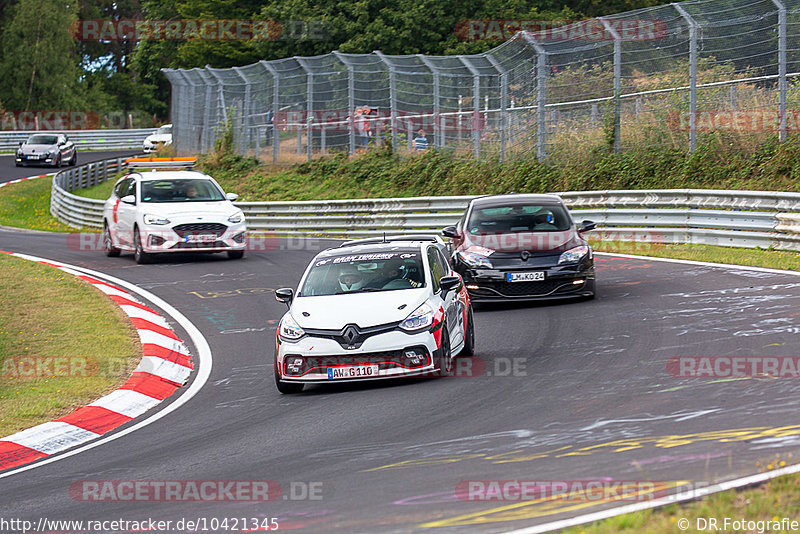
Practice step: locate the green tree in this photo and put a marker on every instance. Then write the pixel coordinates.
(40, 65)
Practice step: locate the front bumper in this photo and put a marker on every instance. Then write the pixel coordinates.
(46, 159)
(561, 282)
(395, 353)
(160, 239)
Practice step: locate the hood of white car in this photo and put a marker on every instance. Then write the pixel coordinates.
(159, 138)
(334, 312)
(207, 211)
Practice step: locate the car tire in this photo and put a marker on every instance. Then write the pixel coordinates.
(108, 245)
(444, 361)
(287, 388)
(469, 336)
(139, 255)
(74, 159)
(57, 161)
(235, 254)
(19, 164)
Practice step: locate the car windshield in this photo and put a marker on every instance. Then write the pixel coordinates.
(518, 218)
(360, 273)
(42, 140)
(164, 130)
(181, 190)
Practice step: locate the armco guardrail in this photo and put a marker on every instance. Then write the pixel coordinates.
(83, 139)
(703, 216)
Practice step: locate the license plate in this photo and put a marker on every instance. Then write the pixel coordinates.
(32, 157)
(534, 276)
(201, 238)
(357, 371)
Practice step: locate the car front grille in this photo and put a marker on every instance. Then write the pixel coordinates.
(216, 229)
(384, 360)
(530, 289)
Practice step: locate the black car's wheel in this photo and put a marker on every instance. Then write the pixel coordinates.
(286, 387)
(139, 255)
(19, 164)
(444, 361)
(108, 245)
(235, 254)
(469, 336)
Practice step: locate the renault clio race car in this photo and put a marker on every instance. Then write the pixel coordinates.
(171, 211)
(369, 311)
(522, 247)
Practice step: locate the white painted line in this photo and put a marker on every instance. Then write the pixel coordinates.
(171, 371)
(133, 311)
(111, 290)
(51, 437)
(127, 402)
(202, 371)
(729, 266)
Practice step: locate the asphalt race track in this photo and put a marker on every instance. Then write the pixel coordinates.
(9, 171)
(562, 391)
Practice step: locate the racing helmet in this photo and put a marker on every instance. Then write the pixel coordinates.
(350, 279)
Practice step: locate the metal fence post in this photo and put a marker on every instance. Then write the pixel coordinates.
(476, 107)
(276, 142)
(503, 104)
(782, 86)
(437, 141)
(692, 75)
(617, 83)
(309, 106)
(541, 97)
(392, 97)
(244, 137)
(351, 98)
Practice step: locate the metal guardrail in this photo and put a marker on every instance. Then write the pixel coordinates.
(747, 219)
(83, 139)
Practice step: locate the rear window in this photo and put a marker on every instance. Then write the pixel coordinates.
(360, 273)
(518, 218)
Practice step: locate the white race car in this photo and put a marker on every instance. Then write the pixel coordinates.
(171, 211)
(367, 311)
(161, 137)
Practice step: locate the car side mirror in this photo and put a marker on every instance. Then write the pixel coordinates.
(449, 231)
(448, 283)
(586, 226)
(285, 295)
(21, 143)
(129, 199)
(231, 196)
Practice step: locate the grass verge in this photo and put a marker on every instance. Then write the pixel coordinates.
(63, 344)
(27, 205)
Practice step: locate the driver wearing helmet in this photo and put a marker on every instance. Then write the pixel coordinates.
(350, 279)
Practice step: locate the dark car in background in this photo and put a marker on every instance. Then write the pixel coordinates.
(522, 247)
(51, 149)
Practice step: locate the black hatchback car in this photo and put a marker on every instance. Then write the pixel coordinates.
(47, 149)
(522, 247)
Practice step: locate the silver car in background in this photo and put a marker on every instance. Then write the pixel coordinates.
(52, 149)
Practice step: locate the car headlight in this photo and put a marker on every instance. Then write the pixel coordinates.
(574, 255)
(236, 218)
(289, 330)
(155, 219)
(475, 260)
(419, 319)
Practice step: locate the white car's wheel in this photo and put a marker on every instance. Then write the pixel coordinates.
(108, 245)
(139, 255)
(444, 361)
